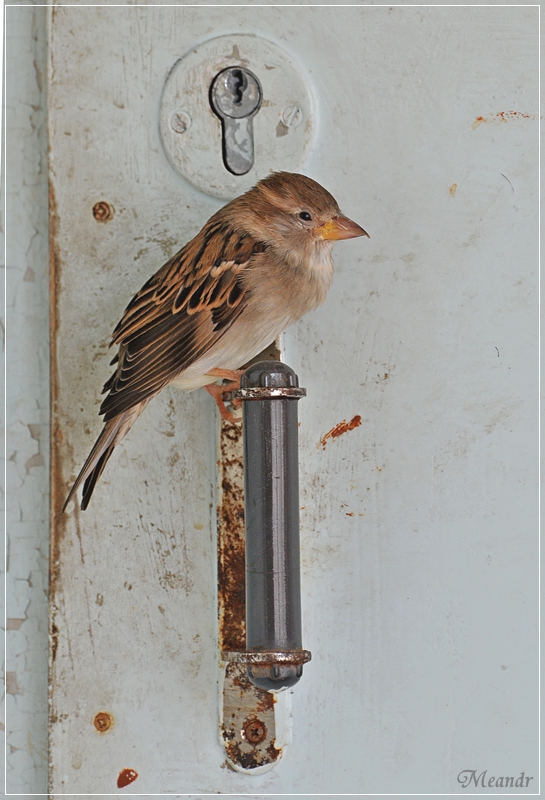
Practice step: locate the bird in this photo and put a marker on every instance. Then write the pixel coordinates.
(259, 264)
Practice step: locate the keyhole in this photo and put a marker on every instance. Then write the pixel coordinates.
(235, 96)
(237, 83)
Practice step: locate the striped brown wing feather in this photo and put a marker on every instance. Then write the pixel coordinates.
(179, 314)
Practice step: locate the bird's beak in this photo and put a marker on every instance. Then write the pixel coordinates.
(341, 228)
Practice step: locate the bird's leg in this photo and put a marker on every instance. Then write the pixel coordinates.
(230, 374)
(217, 392)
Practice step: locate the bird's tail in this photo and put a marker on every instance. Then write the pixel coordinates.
(112, 433)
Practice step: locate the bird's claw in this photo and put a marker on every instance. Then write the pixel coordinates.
(223, 394)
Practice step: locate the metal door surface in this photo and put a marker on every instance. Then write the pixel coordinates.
(417, 438)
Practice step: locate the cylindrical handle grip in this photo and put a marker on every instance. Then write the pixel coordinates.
(270, 392)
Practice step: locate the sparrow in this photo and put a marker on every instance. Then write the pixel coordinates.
(259, 264)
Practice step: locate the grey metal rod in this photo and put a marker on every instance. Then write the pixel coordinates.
(270, 392)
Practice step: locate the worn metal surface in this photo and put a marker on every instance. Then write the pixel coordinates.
(268, 657)
(418, 534)
(247, 724)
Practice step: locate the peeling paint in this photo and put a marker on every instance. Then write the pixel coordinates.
(28, 401)
(12, 685)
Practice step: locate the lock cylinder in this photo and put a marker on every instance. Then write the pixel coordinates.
(275, 657)
(236, 97)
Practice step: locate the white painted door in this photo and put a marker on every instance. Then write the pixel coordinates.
(418, 523)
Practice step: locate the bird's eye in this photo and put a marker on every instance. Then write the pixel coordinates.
(305, 215)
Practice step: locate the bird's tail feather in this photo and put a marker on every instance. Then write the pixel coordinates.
(112, 433)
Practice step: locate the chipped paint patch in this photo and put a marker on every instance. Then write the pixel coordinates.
(125, 777)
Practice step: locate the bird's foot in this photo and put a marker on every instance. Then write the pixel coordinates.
(218, 392)
(233, 375)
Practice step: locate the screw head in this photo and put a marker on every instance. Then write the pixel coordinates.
(102, 722)
(292, 116)
(180, 121)
(254, 731)
(103, 211)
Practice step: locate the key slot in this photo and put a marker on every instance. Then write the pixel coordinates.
(235, 97)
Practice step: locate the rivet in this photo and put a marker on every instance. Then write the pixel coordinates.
(102, 722)
(292, 116)
(180, 121)
(103, 211)
(254, 731)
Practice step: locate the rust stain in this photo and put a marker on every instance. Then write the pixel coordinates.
(58, 523)
(231, 564)
(103, 211)
(340, 428)
(274, 752)
(264, 700)
(248, 726)
(452, 189)
(125, 777)
(246, 760)
(506, 115)
(103, 721)
(54, 639)
(231, 555)
(501, 116)
(250, 760)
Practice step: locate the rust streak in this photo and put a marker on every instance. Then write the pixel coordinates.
(58, 523)
(231, 564)
(231, 555)
(54, 640)
(340, 428)
(501, 116)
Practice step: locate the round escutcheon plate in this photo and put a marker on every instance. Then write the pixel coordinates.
(191, 132)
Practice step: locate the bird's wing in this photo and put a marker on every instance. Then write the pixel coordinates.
(179, 314)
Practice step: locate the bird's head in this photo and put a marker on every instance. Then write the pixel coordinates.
(295, 212)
